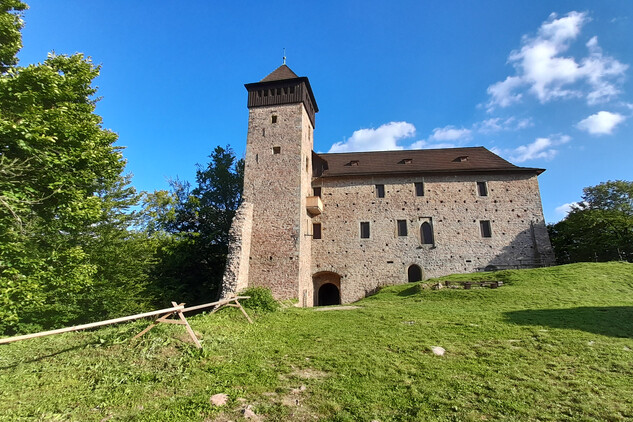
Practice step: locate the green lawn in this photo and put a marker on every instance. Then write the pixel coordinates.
(551, 344)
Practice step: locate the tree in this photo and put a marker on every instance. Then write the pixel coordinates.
(10, 37)
(599, 228)
(66, 254)
(197, 221)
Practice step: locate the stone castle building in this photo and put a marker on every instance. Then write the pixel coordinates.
(332, 228)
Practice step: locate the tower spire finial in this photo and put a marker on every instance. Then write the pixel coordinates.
(284, 55)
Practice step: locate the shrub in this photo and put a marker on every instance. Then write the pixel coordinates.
(261, 299)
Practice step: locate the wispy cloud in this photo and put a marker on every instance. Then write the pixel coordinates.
(541, 148)
(450, 133)
(498, 124)
(444, 137)
(563, 210)
(383, 138)
(601, 123)
(541, 69)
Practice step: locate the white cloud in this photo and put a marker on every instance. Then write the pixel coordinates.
(564, 209)
(444, 137)
(450, 133)
(601, 123)
(542, 69)
(422, 144)
(498, 124)
(541, 148)
(383, 138)
(502, 93)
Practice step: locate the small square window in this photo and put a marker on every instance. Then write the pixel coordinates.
(482, 189)
(274, 119)
(316, 230)
(364, 230)
(419, 189)
(316, 191)
(380, 191)
(402, 227)
(486, 230)
(276, 150)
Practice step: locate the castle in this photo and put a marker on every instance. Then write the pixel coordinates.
(331, 228)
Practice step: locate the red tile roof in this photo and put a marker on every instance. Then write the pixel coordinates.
(447, 160)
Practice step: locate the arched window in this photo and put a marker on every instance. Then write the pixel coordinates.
(426, 233)
(414, 273)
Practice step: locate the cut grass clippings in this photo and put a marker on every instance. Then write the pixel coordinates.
(551, 344)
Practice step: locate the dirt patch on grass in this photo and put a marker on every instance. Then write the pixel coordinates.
(337, 308)
(308, 373)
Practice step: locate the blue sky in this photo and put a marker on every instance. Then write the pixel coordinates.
(543, 84)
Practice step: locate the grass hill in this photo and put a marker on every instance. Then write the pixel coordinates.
(551, 344)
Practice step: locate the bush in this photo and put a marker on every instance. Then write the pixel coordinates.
(261, 299)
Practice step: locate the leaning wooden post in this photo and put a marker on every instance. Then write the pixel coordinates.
(243, 311)
(188, 327)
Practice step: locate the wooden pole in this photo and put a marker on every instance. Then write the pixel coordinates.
(184, 322)
(178, 308)
(219, 302)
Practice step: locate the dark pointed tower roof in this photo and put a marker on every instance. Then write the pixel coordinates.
(279, 74)
(282, 86)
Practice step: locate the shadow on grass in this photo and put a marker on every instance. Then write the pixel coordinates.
(49, 355)
(614, 321)
(410, 291)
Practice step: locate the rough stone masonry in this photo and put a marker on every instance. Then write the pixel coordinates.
(331, 228)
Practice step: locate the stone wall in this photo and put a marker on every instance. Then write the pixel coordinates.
(276, 181)
(235, 277)
(454, 209)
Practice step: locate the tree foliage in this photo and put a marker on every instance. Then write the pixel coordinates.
(72, 249)
(599, 228)
(196, 223)
(10, 37)
(65, 248)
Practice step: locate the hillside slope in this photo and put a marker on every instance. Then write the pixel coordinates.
(551, 344)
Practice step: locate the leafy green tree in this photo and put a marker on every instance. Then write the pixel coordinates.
(67, 251)
(599, 228)
(196, 223)
(10, 37)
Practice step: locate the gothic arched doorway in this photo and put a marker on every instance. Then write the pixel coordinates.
(327, 288)
(414, 273)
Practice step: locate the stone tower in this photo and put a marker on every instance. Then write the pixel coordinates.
(277, 181)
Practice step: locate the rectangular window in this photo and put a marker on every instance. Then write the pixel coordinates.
(486, 230)
(364, 230)
(402, 227)
(419, 189)
(380, 191)
(316, 230)
(274, 119)
(276, 150)
(482, 189)
(316, 191)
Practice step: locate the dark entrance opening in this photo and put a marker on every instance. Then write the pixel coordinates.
(329, 295)
(414, 273)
